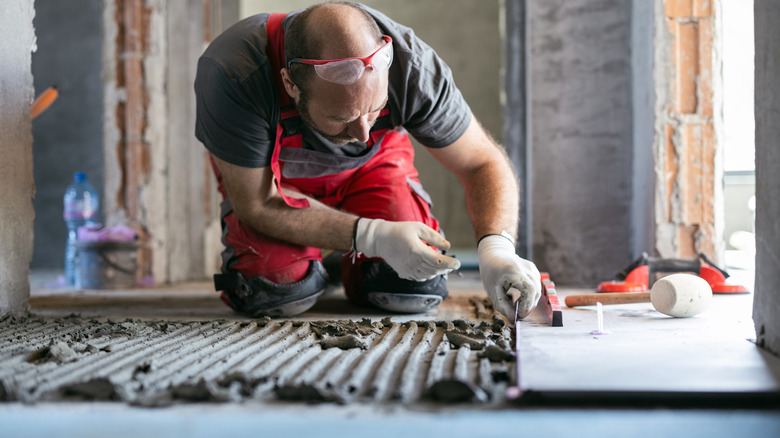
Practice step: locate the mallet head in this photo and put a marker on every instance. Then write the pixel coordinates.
(681, 295)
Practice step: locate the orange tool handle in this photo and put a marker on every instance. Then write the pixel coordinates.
(613, 298)
(43, 101)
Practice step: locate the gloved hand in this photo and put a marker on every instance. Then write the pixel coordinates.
(403, 246)
(502, 269)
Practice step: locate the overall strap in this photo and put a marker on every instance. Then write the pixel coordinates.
(276, 55)
(275, 52)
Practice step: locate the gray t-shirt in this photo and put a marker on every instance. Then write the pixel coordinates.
(238, 102)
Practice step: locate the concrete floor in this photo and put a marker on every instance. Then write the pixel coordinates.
(196, 301)
(252, 420)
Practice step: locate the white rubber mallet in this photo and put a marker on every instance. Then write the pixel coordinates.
(677, 295)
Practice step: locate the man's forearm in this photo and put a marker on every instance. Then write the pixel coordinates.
(485, 173)
(257, 204)
(318, 226)
(492, 199)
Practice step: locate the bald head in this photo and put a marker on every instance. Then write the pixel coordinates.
(329, 31)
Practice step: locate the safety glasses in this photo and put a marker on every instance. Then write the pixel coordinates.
(349, 70)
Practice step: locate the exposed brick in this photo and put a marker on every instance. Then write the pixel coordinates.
(699, 168)
(705, 67)
(689, 142)
(703, 8)
(678, 8)
(704, 240)
(692, 164)
(708, 173)
(686, 240)
(686, 50)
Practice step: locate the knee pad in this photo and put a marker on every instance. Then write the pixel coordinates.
(259, 296)
(376, 283)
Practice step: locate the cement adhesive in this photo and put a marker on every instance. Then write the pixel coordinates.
(156, 363)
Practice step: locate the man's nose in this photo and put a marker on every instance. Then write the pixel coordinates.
(359, 129)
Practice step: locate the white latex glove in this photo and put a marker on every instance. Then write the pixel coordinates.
(403, 246)
(502, 269)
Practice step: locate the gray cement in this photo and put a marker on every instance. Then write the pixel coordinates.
(17, 189)
(158, 363)
(767, 101)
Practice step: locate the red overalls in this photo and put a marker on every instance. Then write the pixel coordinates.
(382, 183)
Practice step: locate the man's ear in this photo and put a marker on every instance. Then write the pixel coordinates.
(289, 85)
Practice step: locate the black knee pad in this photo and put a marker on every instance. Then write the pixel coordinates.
(260, 297)
(383, 288)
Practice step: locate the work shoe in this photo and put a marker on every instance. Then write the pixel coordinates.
(376, 283)
(261, 297)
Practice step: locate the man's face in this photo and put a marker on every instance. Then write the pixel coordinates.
(344, 114)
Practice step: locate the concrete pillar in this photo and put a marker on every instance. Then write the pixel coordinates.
(580, 90)
(766, 306)
(17, 188)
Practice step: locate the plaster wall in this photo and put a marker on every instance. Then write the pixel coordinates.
(17, 188)
(767, 109)
(582, 128)
(466, 35)
(186, 175)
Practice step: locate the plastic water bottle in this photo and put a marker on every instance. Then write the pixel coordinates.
(81, 203)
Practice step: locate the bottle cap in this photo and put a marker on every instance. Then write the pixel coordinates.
(80, 176)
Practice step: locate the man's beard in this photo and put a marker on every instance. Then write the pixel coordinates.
(303, 111)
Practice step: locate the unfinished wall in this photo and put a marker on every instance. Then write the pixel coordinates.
(17, 40)
(68, 137)
(766, 306)
(582, 131)
(688, 199)
(155, 168)
(643, 96)
(465, 33)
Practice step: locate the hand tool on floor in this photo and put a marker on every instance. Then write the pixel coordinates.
(514, 392)
(640, 275)
(677, 295)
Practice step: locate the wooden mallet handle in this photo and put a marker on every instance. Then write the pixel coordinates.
(613, 298)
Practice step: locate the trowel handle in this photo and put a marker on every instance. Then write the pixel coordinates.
(613, 298)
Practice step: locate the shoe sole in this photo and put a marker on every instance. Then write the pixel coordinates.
(404, 303)
(292, 308)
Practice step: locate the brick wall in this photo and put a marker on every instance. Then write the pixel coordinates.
(686, 160)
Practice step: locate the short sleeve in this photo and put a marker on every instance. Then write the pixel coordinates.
(231, 115)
